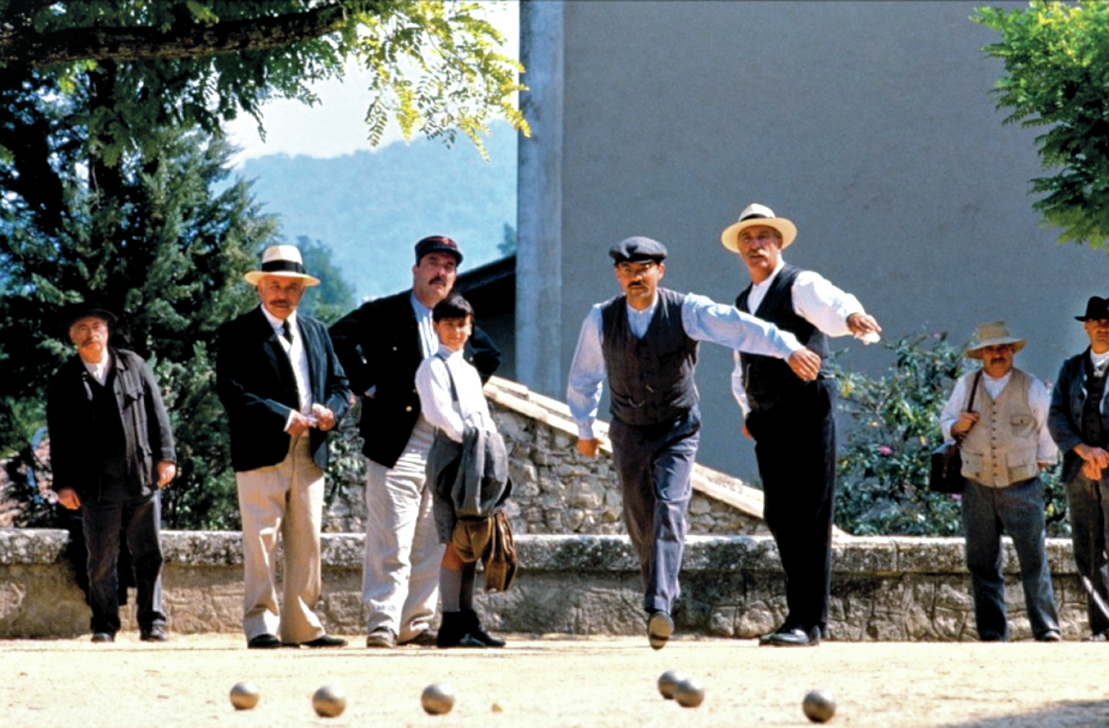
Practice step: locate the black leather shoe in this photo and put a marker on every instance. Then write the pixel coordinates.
(454, 632)
(263, 642)
(154, 633)
(426, 638)
(659, 628)
(103, 637)
(472, 626)
(794, 637)
(1050, 636)
(326, 641)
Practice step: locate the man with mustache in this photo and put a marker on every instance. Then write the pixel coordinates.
(791, 420)
(381, 345)
(999, 414)
(646, 342)
(1079, 422)
(284, 390)
(111, 450)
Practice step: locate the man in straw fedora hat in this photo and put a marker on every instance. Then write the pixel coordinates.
(1005, 445)
(1079, 422)
(792, 420)
(284, 389)
(646, 342)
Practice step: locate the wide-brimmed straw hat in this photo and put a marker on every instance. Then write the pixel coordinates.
(756, 214)
(994, 333)
(283, 261)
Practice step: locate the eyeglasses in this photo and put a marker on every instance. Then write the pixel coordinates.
(99, 327)
(635, 269)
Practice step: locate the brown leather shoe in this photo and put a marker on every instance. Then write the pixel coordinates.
(425, 638)
(381, 637)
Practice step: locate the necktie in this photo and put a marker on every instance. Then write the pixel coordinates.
(286, 331)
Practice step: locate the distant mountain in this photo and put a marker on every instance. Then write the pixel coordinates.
(370, 208)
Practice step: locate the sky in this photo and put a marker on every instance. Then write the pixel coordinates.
(335, 126)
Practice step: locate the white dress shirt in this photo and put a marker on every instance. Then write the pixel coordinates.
(298, 357)
(1039, 400)
(815, 299)
(100, 369)
(702, 319)
(439, 406)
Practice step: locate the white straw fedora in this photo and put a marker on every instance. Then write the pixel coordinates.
(756, 214)
(283, 261)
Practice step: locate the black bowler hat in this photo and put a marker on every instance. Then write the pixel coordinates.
(74, 312)
(438, 244)
(1096, 309)
(630, 250)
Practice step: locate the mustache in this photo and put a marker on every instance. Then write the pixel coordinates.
(438, 279)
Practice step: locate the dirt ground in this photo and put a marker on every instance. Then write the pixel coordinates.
(556, 681)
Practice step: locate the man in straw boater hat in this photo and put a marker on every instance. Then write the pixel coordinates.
(381, 345)
(646, 342)
(284, 389)
(999, 413)
(111, 450)
(790, 419)
(1079, 422)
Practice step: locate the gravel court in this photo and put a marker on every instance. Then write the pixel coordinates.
(556, 681)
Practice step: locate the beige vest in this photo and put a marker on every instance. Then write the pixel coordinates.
(1001, 449)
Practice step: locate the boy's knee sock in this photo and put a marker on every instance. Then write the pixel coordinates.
(466, 587)
(450, 589)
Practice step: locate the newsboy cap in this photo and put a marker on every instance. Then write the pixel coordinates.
(438, 244)
(637, 248)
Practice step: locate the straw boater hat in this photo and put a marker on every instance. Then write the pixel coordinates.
(283, 261)
(756, 214)
(994, 333)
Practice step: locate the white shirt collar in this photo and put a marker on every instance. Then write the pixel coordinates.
(279, 325)
(99, 370)
(1098, 360)
(770, 279)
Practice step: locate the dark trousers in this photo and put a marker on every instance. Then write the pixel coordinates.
(140, 521)
(1017, 510)
(655, 466)
(795, 444)
(1088, 504)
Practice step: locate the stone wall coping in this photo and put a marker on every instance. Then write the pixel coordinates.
(876, 556)
(713, 483)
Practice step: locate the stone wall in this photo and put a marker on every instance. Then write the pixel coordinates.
(882, 588)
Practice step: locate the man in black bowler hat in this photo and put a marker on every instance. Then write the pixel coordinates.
(1079, 422)
(381, 345)
(111, 450)
(646, 342)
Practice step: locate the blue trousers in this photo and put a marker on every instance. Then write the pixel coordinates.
(140, 519)
(1088, 507)
(1017, 510)
(655, 465)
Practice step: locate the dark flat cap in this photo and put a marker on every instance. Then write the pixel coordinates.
(438, 244)
(638, 248)
(74, 312)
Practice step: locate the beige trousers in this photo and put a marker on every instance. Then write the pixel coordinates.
(283, 500)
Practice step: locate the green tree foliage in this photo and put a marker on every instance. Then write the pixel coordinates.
(438, 66)
(1056, 59)
(883, 466)
(333, 298)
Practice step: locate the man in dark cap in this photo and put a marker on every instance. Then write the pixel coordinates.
(111, 450)
(646, 342)
(1079, 422)
(381, 345)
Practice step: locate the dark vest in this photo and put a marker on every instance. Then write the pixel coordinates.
(651, 379)
(1092, 431)
(106, 431)
(765, 378)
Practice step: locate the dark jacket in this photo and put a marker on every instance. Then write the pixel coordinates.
(1064, 418)
(256, 384)
(148, 437)
(379, 346)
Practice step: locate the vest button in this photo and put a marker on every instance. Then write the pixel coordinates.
(408, 408)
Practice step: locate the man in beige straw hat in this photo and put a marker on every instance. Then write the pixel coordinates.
(1000, 414)
(792, 420)
(284, 389)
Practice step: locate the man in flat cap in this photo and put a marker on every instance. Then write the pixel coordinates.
(284, 390)
(999, 414)
(791, 420)
(111, 450)
(381, 345)
(646, 342)
(1079, 422)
